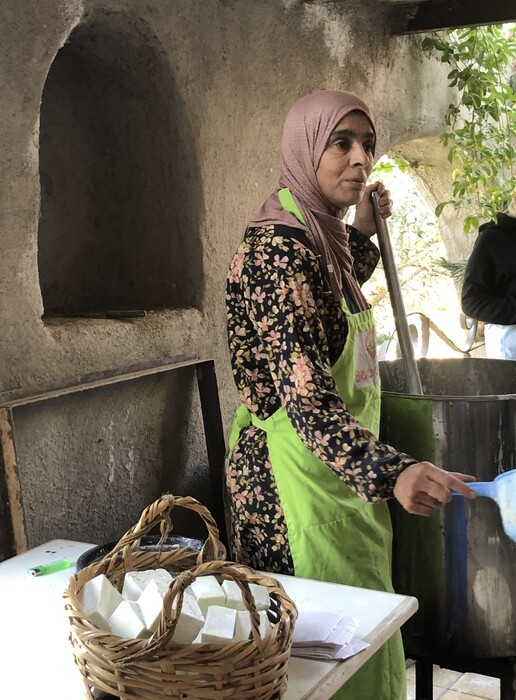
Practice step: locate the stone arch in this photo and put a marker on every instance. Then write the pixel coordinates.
(119, 174)
(434, 180)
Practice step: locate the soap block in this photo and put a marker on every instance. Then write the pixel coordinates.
(99, 600)
(235, 600)
(265, 625)
(233, 595)
(191, 621)
(150, 604)
(242, 626)
(207, 591)
(198, 639)
(261, 596)
(136, 581)
(219, 626)
(127, 622)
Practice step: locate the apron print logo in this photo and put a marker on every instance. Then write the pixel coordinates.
(366, 361)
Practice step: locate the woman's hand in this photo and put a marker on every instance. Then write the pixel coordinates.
(364, 212)
(422, 488)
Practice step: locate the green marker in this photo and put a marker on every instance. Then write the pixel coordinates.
(41, 570)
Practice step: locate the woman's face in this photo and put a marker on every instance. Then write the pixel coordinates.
(347, 161)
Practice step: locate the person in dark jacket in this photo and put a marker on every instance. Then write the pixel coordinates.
(489, 287)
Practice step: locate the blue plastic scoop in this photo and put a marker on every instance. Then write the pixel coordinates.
(502, 490)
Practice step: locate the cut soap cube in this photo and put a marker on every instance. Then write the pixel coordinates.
(127, 622)
(207, 591)
(261, 596)
(150, 604)
(136, 581)
(265, 625)
(243, 625)
(191, 621)
(233, 595)
(99, 600)
(198, 639)
(219, 625)
(235, 600)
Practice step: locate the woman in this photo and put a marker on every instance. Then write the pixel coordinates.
(307, 477)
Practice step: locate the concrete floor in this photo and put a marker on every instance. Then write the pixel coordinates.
(452, 685)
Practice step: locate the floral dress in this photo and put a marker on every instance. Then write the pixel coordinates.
(285, 331)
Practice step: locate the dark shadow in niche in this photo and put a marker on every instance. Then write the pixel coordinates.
(184, 443)
(120, 182)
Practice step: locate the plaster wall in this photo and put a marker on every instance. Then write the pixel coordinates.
(434, 179)
(213, 81)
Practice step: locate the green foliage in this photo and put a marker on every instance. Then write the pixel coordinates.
(416, 242)
(481, 126)
(453, 269)
(397, 163)
(428, 281)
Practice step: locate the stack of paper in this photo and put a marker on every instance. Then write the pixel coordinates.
(325, 636)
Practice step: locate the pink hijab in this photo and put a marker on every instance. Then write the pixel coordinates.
(307, 128)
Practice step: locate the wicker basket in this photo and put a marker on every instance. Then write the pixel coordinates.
(149, 669)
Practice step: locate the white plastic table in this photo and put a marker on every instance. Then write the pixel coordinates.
(36, 659)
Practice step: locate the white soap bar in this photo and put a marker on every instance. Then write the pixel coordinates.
(243, 625)
(127, 622)
(207, 591)
(99, 599)
(219, 625)
(265, 625)
(234, 596)
(198, 639)
(191, 621)
(261, 596)
(150, 603)
(136, 581)
(163, 578)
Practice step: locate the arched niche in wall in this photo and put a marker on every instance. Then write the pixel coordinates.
(434, 178)
(120, 184)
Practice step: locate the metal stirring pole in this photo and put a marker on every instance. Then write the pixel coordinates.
(398, 307)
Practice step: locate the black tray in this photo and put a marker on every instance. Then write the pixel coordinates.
(149, 543)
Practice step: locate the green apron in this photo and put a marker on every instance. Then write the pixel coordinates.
(333, 534)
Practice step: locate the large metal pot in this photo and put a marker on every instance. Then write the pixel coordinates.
(459, 563)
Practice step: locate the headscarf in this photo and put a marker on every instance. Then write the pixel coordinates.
(306, 131)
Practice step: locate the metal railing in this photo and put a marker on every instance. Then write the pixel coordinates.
(421, 337)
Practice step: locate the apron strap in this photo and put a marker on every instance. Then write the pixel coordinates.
(242, 420)
(287, 202)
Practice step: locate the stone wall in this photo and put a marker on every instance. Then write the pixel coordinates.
(137, 139)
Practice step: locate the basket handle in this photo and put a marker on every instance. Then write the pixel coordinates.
(167, 624)
(159, 513)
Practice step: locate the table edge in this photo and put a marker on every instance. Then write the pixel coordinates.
(343, 670)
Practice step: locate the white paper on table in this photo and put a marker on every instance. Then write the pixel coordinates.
(344, 630)
(325, 636)
(351, 648)
(323, 654)
(314, 627)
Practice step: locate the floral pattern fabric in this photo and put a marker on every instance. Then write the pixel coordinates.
(285, 332)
